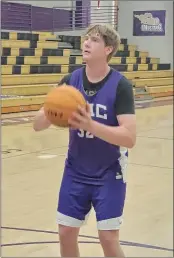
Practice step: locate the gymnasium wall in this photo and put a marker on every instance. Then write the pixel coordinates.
(106, 14)
(66, 4)
(36, 16)
(71, 16)
(158, 46)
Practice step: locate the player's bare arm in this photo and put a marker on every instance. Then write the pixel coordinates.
(40, 121)
(123, 135)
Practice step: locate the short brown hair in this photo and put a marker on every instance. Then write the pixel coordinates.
(108, 34)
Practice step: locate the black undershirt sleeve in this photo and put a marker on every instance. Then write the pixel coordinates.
(124, 103)
(65, 79)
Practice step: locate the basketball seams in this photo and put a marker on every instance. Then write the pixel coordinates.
(68, 100)
(76, 93)
(61, 106)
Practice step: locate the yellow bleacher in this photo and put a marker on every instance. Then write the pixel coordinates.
(33, 63)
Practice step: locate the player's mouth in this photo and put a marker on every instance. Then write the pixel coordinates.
(86, 52)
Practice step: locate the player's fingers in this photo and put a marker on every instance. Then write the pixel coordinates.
(78, 117)
(73, 124)
(82, 111)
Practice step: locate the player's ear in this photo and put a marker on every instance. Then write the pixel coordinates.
(109, 50)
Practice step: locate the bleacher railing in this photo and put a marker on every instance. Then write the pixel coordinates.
(25, 17)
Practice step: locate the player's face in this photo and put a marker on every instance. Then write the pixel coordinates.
(94, 48)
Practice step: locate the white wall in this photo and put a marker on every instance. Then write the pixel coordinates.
(65, 4)
(157, 46)
(104, 14)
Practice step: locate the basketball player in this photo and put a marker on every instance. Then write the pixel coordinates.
(100, 137)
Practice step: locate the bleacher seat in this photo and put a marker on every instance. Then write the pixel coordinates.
(33, 63)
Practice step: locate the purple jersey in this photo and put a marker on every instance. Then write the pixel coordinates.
(91, 160)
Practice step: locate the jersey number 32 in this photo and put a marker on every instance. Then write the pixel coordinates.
(84, 134)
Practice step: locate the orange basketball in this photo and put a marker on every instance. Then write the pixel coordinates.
(61, 102)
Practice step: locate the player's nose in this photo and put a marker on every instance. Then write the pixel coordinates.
(87, 43)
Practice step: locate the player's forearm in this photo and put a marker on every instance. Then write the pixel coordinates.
(40, 121)
(119, 135)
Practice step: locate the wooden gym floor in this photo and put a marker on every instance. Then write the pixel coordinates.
(32, 165)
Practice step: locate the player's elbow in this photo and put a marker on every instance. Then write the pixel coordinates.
(131, 141)
(36, 128)
(40, 121)
(40, 126)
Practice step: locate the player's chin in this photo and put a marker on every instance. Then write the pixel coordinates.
(86, 57)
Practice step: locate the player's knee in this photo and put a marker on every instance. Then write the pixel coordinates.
(67, 233)
(109, 237)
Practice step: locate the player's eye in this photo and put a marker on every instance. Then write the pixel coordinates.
(86, 38)
(95, 39)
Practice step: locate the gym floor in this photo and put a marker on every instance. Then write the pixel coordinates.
(32, 165)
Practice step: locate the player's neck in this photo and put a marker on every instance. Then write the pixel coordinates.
(96, 73)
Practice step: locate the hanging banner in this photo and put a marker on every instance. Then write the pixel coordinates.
(149, 23)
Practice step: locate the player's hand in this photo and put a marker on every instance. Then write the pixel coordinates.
(81, 119)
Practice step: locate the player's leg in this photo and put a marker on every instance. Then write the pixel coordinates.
(74, 204)
(108, 201)
(110, 243)
(68, 238)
